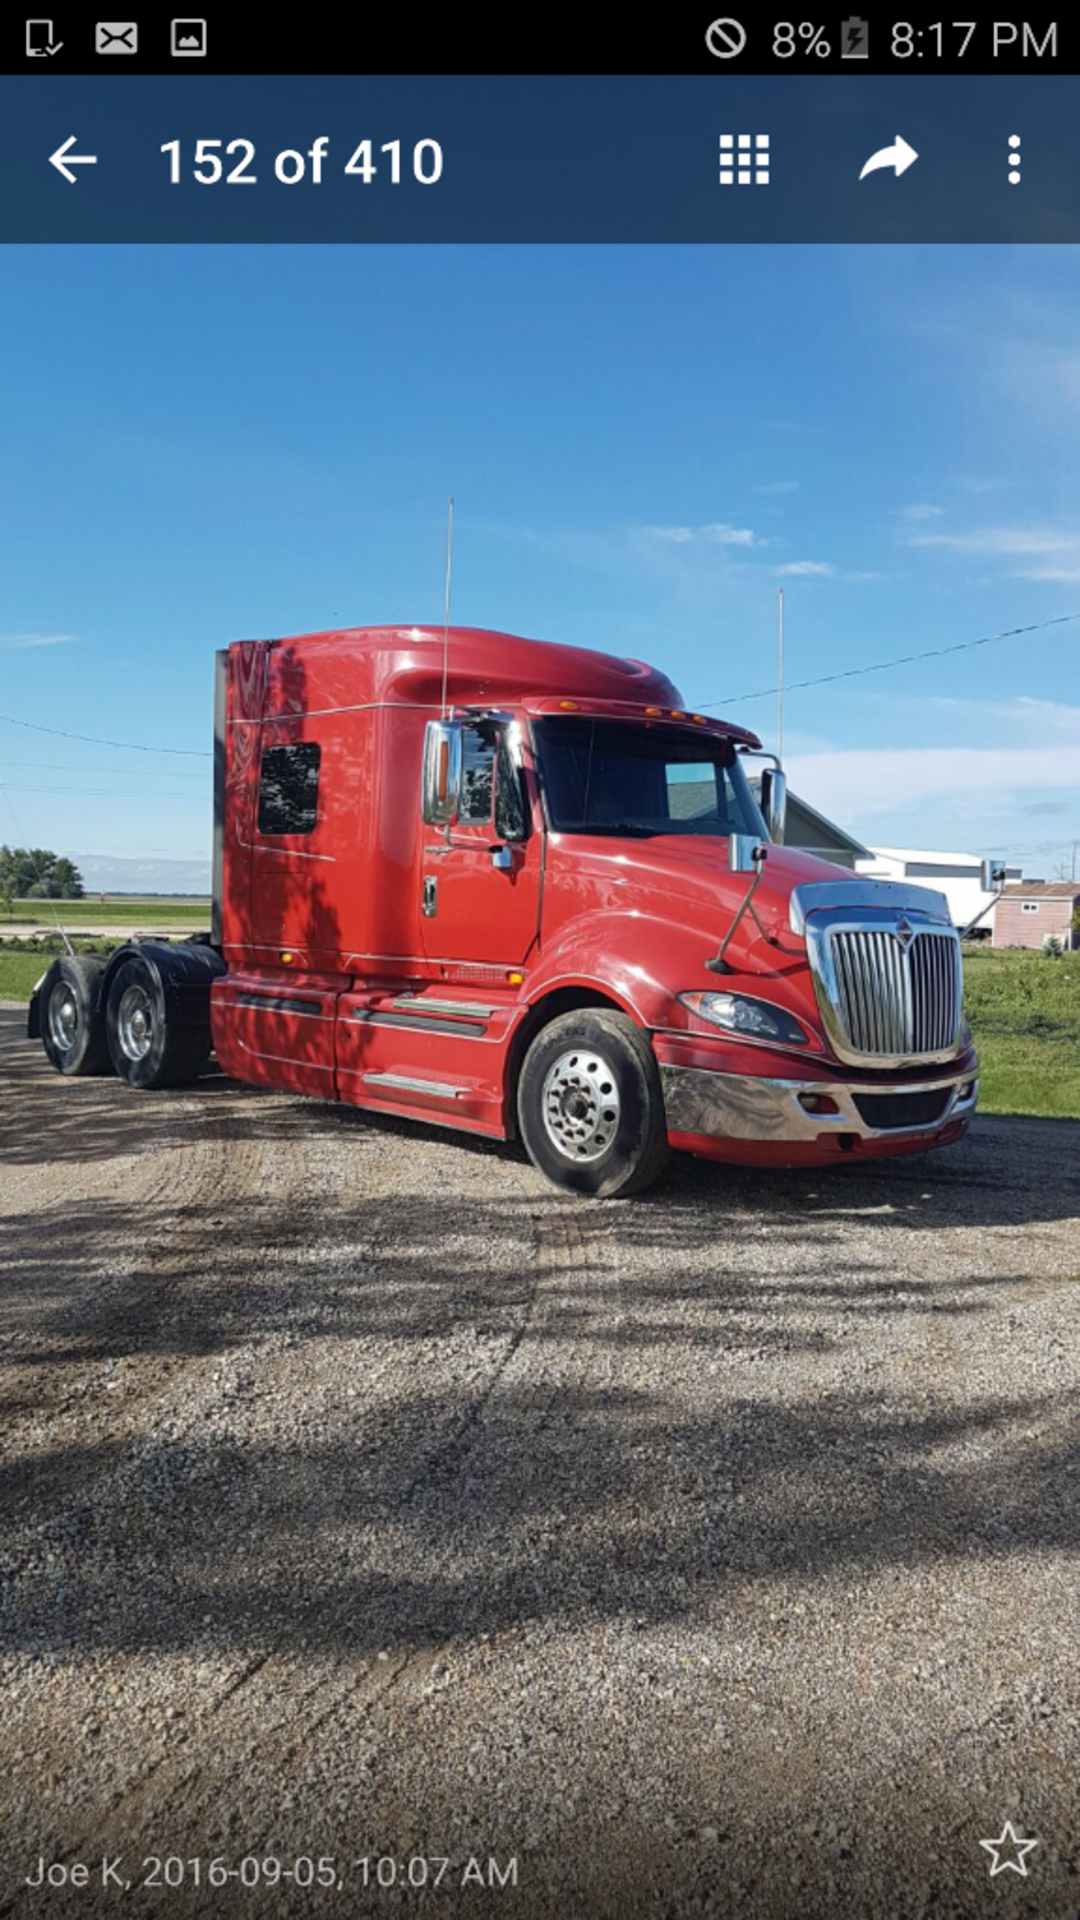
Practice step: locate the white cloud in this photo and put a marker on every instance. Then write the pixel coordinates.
(19, 640)
(865, 783)
(1006, 542)
(718, 534)
(822, 570)
(921, 510)
(1042, 717)
(1063, 576)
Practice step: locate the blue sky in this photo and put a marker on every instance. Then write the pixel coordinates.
(202, 444)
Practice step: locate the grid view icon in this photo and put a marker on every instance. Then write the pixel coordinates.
(744, 159)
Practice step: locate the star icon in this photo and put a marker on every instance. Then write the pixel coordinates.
(1009, 1837)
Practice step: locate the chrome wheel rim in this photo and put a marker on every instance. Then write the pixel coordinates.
(63, 1016)
(135, 1022)
(580, 1104)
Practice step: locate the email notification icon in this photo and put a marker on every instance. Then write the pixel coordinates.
(116, 36)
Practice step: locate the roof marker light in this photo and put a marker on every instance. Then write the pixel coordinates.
(572, 705)
(655, 712)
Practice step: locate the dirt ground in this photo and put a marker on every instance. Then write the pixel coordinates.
(374, 1514)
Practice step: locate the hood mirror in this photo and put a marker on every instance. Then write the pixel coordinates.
(993, 883)
(746, 854)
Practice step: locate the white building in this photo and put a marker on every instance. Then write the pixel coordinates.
(957, 875)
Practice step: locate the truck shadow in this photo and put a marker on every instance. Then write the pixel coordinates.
(1011, 1169)
(246, 1421)
(450, 1527)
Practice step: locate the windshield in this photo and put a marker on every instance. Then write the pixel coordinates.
(604, 776)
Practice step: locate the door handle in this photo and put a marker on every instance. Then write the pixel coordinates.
(431, 896)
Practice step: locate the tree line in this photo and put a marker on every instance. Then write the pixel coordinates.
(36, 873)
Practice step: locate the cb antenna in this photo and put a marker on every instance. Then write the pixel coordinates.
(446, 603)
(780, 678)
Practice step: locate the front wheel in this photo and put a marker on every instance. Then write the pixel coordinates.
(590, 1105)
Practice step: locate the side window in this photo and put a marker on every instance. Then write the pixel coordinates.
(289, 788)
(509, 800)
(477, 774)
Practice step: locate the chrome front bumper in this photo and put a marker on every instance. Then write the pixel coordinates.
(736, 1106)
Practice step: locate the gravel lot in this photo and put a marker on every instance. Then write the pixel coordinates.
(709, 1553)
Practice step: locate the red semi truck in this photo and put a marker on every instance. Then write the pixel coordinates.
(521, 889)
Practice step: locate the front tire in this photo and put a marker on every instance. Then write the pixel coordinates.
(591, 1107)
(148, 1048)
(72, 1023)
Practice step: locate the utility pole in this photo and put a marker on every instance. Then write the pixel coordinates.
(780, 679)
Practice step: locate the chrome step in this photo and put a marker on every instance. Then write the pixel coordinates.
(404, 1083)
(424, 1003)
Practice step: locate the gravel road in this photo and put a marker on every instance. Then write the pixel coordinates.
(364, 1497)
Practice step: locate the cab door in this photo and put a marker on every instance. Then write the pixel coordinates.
(480, 878)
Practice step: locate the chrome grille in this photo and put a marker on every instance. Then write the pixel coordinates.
(889, 998)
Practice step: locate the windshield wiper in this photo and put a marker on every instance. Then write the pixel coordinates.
(630, 829)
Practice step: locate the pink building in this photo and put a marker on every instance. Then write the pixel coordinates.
(1029, 910)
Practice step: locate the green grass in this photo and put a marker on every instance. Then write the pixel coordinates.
(114, 910)
(19, 971)
(1025, 1014)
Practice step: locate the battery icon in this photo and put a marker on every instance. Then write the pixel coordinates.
(854, 40)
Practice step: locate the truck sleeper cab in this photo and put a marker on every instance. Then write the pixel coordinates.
(519, 889)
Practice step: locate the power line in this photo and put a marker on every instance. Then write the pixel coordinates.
(124, 773)
(115, 793)
(880, 666)
(95, 740)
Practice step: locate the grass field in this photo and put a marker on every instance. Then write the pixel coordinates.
(1024, 1011)
(18, 972)
(1025, 1014)
(112, 910)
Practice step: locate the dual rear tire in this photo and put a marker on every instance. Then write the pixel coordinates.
(147, 1044)
(72, 1022)
(94, 1022)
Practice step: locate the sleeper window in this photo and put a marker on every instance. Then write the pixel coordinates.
(289, 789)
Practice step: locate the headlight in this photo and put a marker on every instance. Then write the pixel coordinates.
(754, 1019)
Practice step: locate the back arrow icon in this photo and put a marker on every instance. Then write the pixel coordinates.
(899, 158)
(63, 160)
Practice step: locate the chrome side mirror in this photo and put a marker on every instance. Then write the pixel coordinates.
(745, 852)
(993, 876)
(443, 757)
(774, 802)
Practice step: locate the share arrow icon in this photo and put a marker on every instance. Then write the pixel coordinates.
(899, 157)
